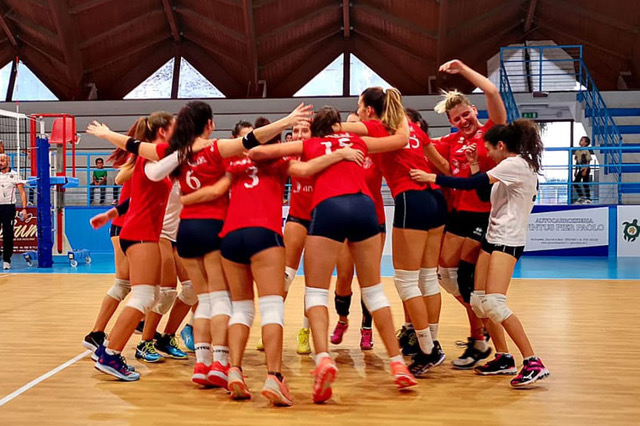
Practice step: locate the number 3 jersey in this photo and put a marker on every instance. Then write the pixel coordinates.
(256, 194)
(345, 177)
(202, 169)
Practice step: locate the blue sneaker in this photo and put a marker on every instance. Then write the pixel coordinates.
(96, 355)
(168, 344)
(187, 337)
(115, 365)
(147, 352)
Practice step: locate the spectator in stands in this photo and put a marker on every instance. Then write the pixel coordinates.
(99, 179)
(9, 181)
(583, 172)
(288, 137)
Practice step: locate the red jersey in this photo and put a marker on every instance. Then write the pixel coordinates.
(467, 200)
(443, 149)
(395, 165)
(256, 195)
(301, 197)
(373, 176)
(143, 221)
(125, 192)
(204, 168)
(345, 177)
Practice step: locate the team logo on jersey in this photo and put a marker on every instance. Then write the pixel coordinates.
(199, 160)
(631, 230)
(368, 163)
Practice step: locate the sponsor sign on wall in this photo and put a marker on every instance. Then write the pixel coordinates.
(628, 231)
(568, 229)
(25, 232)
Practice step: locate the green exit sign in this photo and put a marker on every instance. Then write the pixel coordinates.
(529, 115)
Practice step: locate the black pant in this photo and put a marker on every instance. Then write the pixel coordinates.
(583, 190)
(7, 215)
(103, 194)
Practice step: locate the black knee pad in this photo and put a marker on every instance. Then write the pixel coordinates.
(367, 319)
(343, 303)
(466, 272)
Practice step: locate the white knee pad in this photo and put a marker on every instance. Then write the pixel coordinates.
(316, 297)
(203, 310)
(495, 307)
(428, 281)
(119, 290)
(476, 303)
(143, 297)
(165, 300)
(374, 298)
(220, 303)
(188, 294)
(243, 313)
(449, 280)
(271, 310)
(407, 284)
(289, 276)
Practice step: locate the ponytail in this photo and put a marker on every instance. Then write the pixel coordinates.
(387, 105)
(520, 137)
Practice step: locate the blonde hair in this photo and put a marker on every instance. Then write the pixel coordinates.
(450, 100)
(387, 105)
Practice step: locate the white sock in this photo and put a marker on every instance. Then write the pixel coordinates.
(397, 358)
(305, 322)
(221, 354)
(320, 356)
(424, 338)
(433, 328)
(203, 353)
(111, 351)
(481, 345)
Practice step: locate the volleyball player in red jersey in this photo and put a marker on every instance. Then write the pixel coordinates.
(343, 210)
(467, 223)
(345, 266)
(139, 241)
(418, 222)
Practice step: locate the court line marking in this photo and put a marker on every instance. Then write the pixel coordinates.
(42, 378)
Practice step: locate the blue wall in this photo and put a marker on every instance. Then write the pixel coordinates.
(81, 235)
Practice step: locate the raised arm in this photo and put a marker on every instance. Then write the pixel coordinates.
(144, 149)
(495, 106)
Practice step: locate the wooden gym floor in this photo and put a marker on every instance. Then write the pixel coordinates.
(585, 332)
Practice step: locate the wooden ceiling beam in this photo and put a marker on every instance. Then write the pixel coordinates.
(140, 21)
(443, 16)
(172, 20)
(404, 48)
(530, 15)
(131, 50)
(553, 29)
(575, 8)
(23, 22)
(250, 39)
(44, 51)
(213, 72)
(306, 42)
(11, 34)
(209, 47)
(483, 17)
(284, 29)
(397, 21)
(38, 61)
(87, 5)
(69, 40)
(211, 24)
(346, 19)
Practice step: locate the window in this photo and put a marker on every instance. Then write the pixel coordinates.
(28, 87)
(327, 82)
(194, 85)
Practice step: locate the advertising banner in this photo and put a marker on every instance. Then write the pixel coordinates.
(628, 232)
(25, 232)
(568, 229)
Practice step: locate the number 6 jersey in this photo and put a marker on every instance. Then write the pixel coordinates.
(204, 168)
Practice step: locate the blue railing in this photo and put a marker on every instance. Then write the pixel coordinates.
(507, 96)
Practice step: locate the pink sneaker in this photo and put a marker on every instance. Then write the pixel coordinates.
(366, 339)
(338, 332)
(218, 375)
(200, 374)
(325, 374)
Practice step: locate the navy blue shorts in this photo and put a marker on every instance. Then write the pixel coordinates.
(468, 224)
(510, 250)
(125, 244)
(197, 237)
(114, 231)
(241, 245)
(349, 217)
(303, 222)
(421, 210)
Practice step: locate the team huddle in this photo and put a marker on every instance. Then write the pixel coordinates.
(209, 212)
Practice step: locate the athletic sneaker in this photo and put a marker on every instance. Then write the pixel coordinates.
(471, 356)
(238, 389)
(147, 352)
(408, 341)
(277, 391)
(6, 266)
(96, 355)
(366, 339)
(139, 327)
(402, 376)
(437, 347)
(218, 375)
(500, 364)
(532, 371)
(116, 366)
(423, 362)
(260, 345)
(187, 337)
(200, 373)
(325, 374)
(338, 332)
(304, 347)
(94, 340)
(168, 344)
